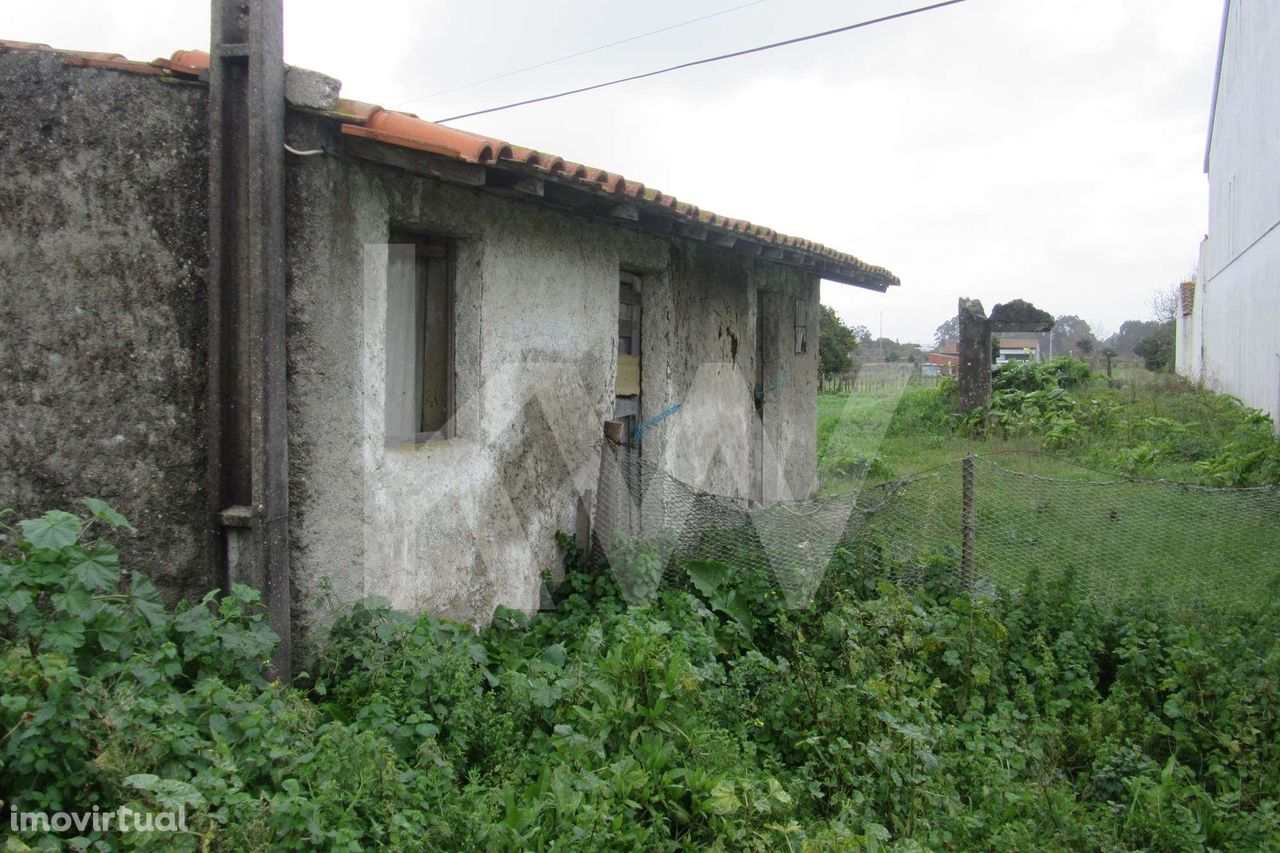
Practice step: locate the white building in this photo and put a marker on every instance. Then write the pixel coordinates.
(1228, 331)
(1018, 349)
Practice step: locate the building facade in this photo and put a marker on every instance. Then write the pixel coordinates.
(1228, 335)
(461, 318)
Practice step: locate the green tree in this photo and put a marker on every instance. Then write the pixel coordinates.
(1156, 350)
(949, 330)
(836, 343)
(1067, 331)
(1131, 333)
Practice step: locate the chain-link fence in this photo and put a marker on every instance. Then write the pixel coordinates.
(1123, 540)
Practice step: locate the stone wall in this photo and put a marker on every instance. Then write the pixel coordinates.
(102, 262)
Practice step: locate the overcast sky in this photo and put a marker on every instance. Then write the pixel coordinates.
(1043, 149)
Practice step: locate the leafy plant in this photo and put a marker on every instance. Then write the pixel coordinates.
(886, 714)
(638, 565)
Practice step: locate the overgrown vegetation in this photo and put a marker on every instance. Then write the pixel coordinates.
(1140, 425)
(1157, 349)
(708, 716)
(1168, 428)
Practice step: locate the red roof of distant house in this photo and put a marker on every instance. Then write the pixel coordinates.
(406, 130)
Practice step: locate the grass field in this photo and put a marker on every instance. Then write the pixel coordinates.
(1088, 505)
(872, 437)
(892, 431)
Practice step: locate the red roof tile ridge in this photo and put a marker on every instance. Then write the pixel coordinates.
(10, 44)
(193, 61)
(182, 62)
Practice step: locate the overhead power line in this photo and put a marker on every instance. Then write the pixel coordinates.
(596, 49)
(706, 61)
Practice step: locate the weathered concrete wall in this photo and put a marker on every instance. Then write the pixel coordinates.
(1232, 339)
(102, 364)
(102, 264)
(462, 525)
(700, 353)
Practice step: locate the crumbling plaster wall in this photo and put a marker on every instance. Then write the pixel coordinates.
(699, 353)
(791, 382)
(103, 186)
(462, 525)
(102, 265)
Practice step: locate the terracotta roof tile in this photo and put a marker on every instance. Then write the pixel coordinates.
(191, 61)
(390, 127)
(9, 44)
(357, 111)
(527, 156)
(183, 63)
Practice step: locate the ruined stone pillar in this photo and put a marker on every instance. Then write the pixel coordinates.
(974, 351)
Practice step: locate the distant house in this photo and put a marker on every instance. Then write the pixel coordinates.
(326, 348)
(1018, 349)
(1228, 334)
(945, 359)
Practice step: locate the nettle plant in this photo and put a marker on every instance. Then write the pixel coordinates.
(88, 650)
(638, 565)
(63, 595)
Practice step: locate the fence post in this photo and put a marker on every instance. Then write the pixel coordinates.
(610, 491)
(968, 524)
(582, 521)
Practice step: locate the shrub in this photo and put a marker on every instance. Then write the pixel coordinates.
(1156, 350)
(886, 713)
(1027, 376)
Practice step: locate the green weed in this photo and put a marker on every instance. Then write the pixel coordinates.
(713, 716)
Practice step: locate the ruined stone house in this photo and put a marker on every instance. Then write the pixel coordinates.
(456, 319)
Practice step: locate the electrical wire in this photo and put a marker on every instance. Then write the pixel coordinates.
(294, 151)
(705, 61)
(544, 64)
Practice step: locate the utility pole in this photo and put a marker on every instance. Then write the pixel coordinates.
(248, 455)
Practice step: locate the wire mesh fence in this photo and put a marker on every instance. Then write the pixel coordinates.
(1122, 540)
(875, 378)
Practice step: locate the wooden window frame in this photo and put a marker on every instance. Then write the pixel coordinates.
(630, 402)
(427, 248)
